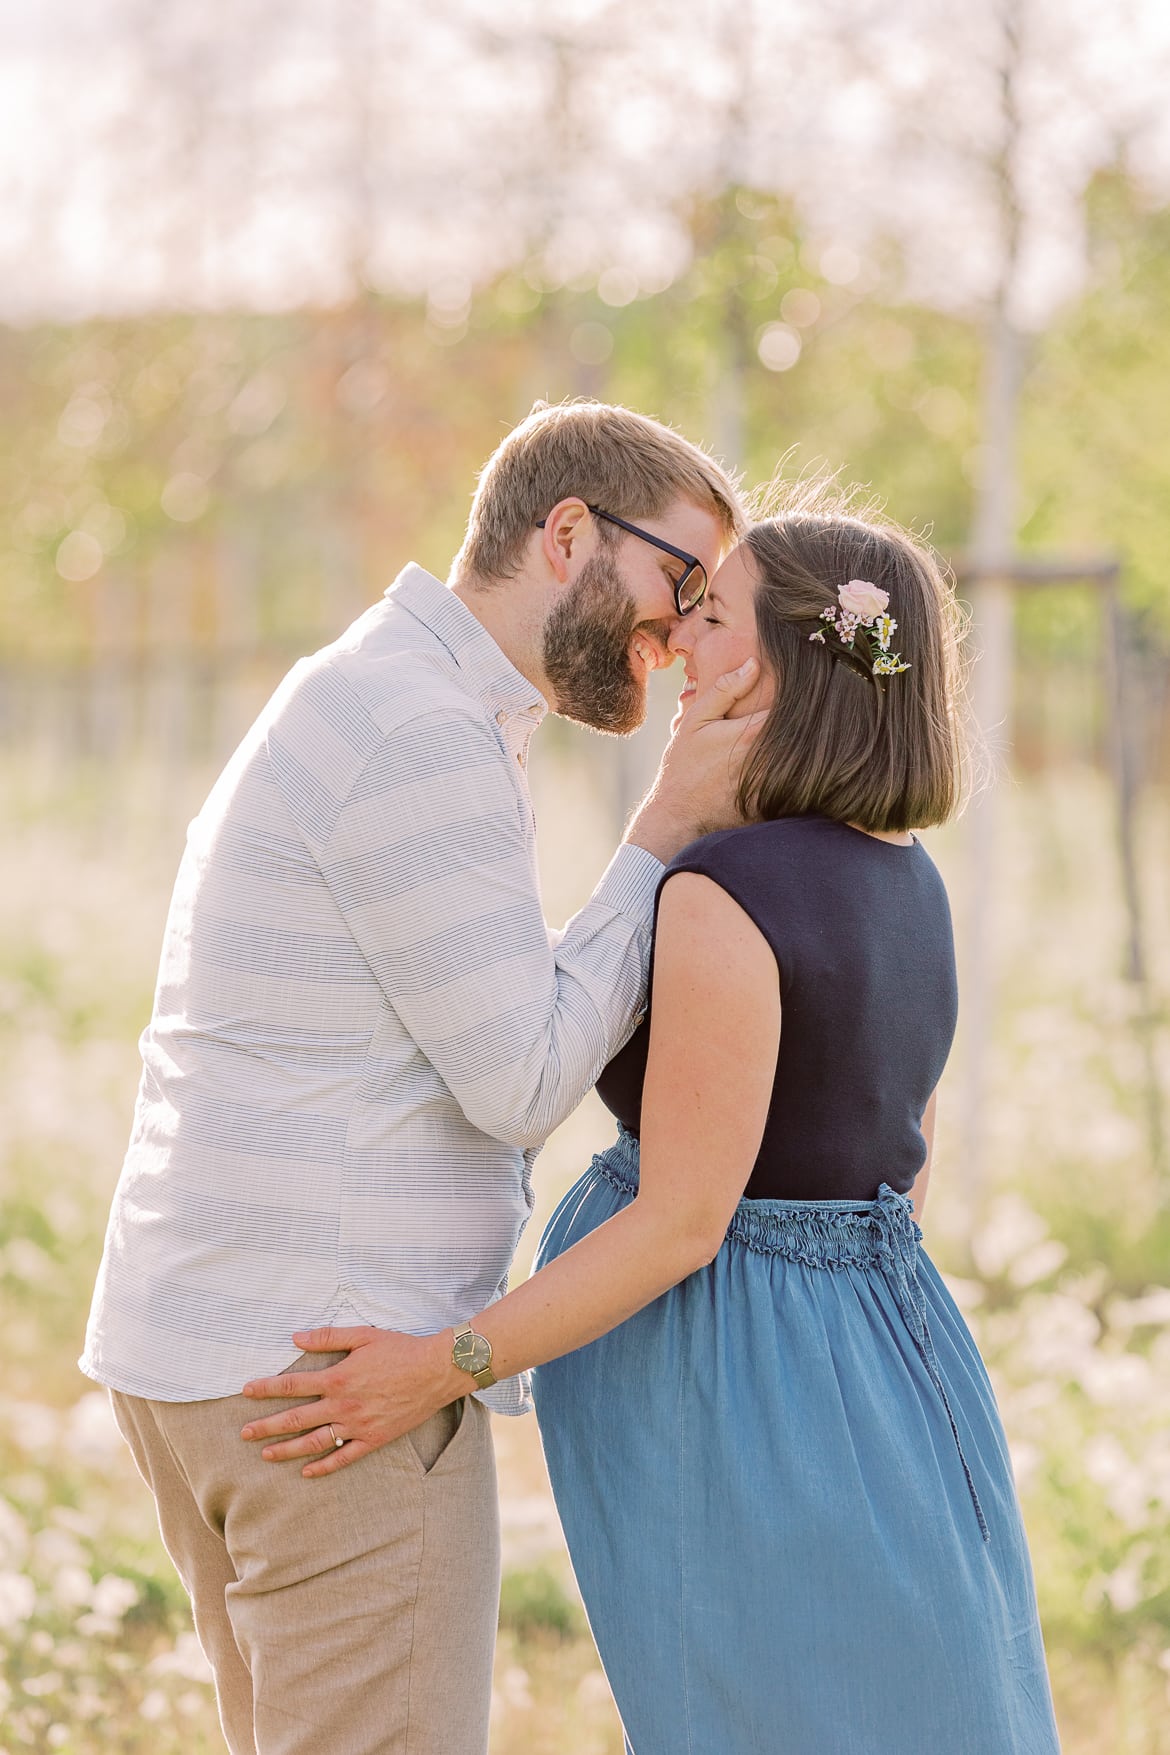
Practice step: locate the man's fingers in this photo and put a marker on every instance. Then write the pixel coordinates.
(715, 700)
(734, 683)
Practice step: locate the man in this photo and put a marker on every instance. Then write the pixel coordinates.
(361, 1036)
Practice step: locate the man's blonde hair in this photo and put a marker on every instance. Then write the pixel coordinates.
(606, 455)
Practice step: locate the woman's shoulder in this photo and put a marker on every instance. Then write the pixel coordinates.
(758, 862)
(809, 850)
(800, 878)
(778, 839)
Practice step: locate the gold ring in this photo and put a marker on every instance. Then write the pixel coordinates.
(337, 1442)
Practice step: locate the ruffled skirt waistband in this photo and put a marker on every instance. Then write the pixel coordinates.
(880, 1234)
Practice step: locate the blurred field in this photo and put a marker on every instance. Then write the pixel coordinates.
(1065, 1282)
(279, 279)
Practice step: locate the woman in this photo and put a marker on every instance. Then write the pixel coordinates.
(774, 1446)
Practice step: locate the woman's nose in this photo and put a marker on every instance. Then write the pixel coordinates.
(681, 638)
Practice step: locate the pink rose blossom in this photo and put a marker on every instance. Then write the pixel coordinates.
(861, 599)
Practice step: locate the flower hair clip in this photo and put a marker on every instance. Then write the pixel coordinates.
(862, 628)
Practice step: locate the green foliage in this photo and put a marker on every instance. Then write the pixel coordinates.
(534, 1601)
(242, 483)
(1096, 476)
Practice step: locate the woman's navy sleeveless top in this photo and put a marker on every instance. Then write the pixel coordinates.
(861, 932)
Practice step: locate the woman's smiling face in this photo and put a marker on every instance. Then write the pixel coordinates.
(718, 635)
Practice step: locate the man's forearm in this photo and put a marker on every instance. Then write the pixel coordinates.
(659, 828)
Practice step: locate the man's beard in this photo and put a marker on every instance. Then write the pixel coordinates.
(587, 652)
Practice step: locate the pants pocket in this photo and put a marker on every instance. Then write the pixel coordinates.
(431, 1439)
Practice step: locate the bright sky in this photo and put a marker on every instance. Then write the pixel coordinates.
(251, 150)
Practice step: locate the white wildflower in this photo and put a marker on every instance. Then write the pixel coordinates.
(72, 1587)
(13, 1535)
(114, 1595)
(34, 1428)
(516, 1688)
(1011, 1227)
(48, 1682)
(1152, 1307)
(18, 1599)
(1115, 1380)
(184, 1659)
(1038, 1263)
(27, 1261)
(55, 1548)
(91, 1430)
(1124, 1586)
(1057, 1335)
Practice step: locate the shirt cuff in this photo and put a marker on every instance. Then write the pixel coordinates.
(630, 883)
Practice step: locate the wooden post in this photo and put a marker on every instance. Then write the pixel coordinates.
(993, 539)
(1122, 754)
(1123, 764)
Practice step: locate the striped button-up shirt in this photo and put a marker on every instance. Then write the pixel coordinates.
(363, 1031)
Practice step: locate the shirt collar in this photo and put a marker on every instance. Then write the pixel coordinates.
(488, 673)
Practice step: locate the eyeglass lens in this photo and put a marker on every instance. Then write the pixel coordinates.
(691, 589)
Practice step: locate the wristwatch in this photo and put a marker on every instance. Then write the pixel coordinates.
(473, 1353)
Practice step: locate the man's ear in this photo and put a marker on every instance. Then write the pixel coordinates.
(564, 529)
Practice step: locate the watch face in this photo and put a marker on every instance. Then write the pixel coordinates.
(472, 1353)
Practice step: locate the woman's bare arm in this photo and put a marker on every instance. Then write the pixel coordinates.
(714, 1037)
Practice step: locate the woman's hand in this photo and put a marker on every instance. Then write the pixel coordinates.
(389, 1384)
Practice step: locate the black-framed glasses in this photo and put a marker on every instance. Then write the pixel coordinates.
(690, 587)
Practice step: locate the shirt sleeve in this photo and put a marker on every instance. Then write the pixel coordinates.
(429, 859)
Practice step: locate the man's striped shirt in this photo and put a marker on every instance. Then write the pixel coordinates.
(362, 1032)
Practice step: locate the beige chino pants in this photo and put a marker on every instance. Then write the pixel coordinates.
(354, 1614)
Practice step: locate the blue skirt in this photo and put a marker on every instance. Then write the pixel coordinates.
(788, 1498)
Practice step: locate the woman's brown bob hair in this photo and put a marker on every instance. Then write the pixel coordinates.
(886, 753)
